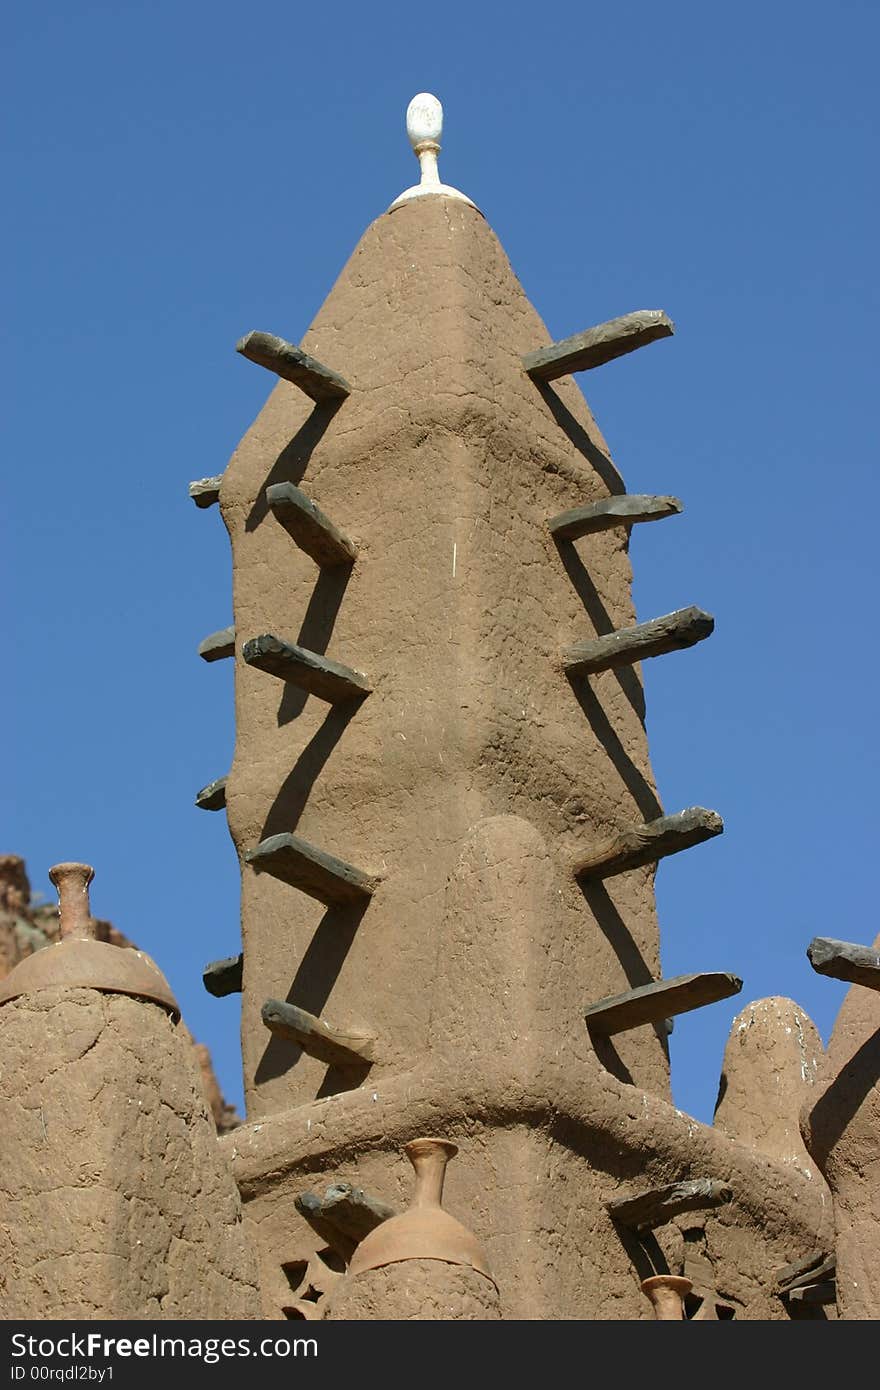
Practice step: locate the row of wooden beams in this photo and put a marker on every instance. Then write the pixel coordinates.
(205, 492)
(292, 364)
(213, 796)
(674, 632)
(222, 977)
(350, 1210)
(218, 645)
(661, 1204)
(598, 345)
(318, 675)
(845, 960)
(624, 510)
(671, 633)
(658, 1001)
(336, 1046)
(312, 531)
(320, 875)
(646, 844)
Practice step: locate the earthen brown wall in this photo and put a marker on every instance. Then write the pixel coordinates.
(443, 466)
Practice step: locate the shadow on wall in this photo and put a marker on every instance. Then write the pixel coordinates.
(292, 462)
(833, 1111)
(633, 964)
(581, 440)
(599, 616)
(310, 989)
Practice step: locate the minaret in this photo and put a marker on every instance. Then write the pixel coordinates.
(441, 794)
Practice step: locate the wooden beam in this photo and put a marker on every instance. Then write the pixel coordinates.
(656, 1002)
(799, 1269)
(222, 977)
(292, 364)
(218, 645)
(598, 345)
(645, 844)
(318, 675)
(350, 1210)
(844, 960)
(661, 1204)
(811, 1271)
(213, 796)
(814, 1293)
(671, 633)
(338, 1047)
(624, 510)
(309, 527)
(321, 875)
(206, 491)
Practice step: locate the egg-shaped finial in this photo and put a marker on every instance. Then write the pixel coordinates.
(424, 120)
(424, 126)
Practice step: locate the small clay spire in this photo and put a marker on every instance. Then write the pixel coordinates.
(79, 960)
(72, 882)
(421, 1263)
(424, 126)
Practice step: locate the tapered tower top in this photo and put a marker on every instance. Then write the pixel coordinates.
(424, 126)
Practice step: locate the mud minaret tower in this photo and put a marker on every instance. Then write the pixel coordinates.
(441, 794)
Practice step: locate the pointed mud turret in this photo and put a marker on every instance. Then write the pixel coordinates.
(770, 1068)
(117, 1200)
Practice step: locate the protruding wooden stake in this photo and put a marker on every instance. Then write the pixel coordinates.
(812, 1269)
(206, 491)
(321, 875)
(624, 510)
(338, 1047)
(598, 345)
(219, 645)
(213, 796)
(844, 960)
(222, 977)
(671, 633)
(292, 364)
(814, 1293)
(310, 528)
(318, 675)
(656, 1002)
(645, 844)
(350, 1210)
(650, 1209)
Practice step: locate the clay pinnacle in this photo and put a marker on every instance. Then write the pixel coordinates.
(424, 126)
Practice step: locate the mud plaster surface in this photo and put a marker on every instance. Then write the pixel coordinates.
(540, 1157)
(468, 780)
(771, 1062)
(443, 466)
(842, 1132)
(117, 1200)
(423, 1290)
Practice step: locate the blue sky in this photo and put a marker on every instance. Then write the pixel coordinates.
(180, 173)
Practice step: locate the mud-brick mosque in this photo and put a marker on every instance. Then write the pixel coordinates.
(454, 1022)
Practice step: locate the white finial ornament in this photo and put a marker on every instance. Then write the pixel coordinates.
(424, 126)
